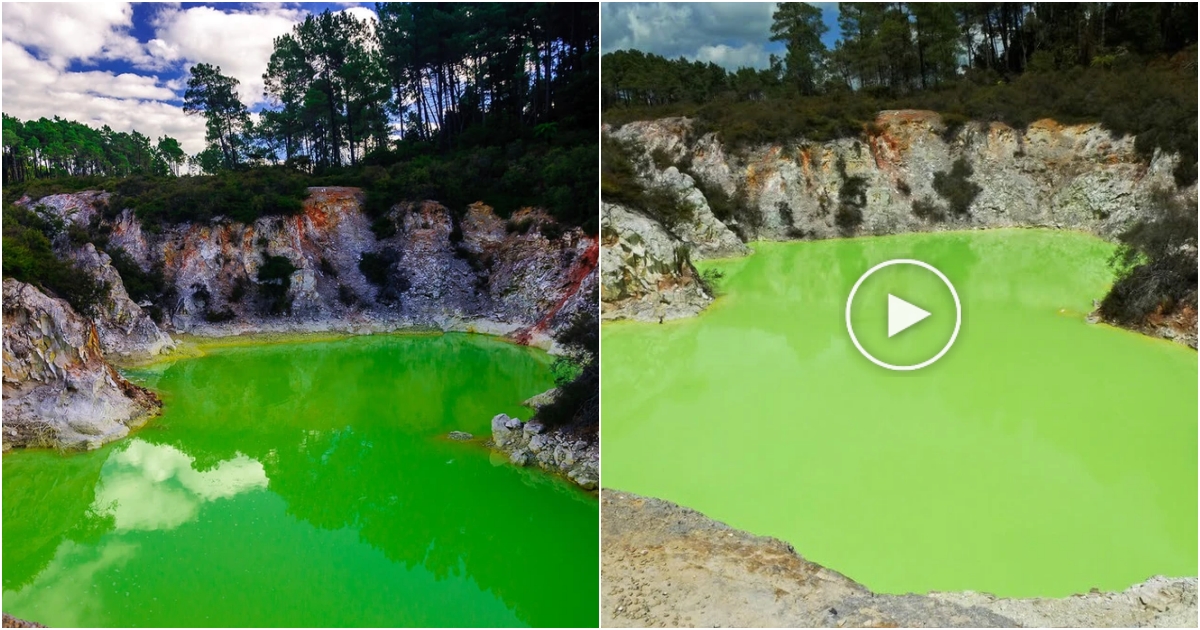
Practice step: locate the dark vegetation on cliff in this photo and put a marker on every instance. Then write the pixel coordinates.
(29, 257)
(1128, 66)
(619, 183)
(577, 375)
(502, 110)
(1155, 266)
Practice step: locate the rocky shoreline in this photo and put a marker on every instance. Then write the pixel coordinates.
(556, 451)
(666, 565)
(1077, 177)
(439, 272)
(59, 392)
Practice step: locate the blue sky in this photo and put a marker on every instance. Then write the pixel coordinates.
(730, 34)
(126, 64)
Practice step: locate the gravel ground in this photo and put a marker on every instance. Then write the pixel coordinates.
(665, 565)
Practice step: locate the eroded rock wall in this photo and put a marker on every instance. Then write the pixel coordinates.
(526, 278)
(552, 450)
(473, 274)
(58, 389)
(1048, 175)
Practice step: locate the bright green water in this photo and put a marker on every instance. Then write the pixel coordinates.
(307, 485)
(1041, 456)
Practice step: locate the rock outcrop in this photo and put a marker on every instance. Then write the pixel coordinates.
(326, 270)
(666, 565)
(645, 272)
(553, 450)
(58, 389)
(125, 330)
(1077, 177)
(437, 271)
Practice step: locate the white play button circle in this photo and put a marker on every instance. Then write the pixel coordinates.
(902, 314)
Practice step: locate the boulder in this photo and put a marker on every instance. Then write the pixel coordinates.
(59, 392)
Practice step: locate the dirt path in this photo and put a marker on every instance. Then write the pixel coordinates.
(665, 565)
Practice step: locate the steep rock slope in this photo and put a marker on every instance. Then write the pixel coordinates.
(58, 389)
(321, 270)
(436, 271)
(1047, 175)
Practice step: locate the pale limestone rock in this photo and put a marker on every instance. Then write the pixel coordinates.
(58, 390)
(1049, 175)
(645, 273)
(490, 280)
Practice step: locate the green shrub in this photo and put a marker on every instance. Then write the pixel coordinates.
(216, 317)
(956, 187)
(662, 160)
(274, 282)
(1155, 265)
(238, 291)
(710, 280)
(618, 173)
(142, 286)
(347, 296)
(852, 198)
(29, 258)
(577, 375)
(327, 268)
(733, 210)
(928, 210)
(374, 267)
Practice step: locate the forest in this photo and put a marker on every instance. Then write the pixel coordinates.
(447, 101)
(1129, 66)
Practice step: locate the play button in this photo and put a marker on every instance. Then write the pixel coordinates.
(876, 315)
(902, 315)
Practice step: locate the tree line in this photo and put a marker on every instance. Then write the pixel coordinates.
(440, 76)
(447, 75)
(57, 147)
(1129, 66)
(899, 48)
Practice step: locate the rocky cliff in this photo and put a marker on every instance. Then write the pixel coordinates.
(552, 450)
(58, 389)
(476, 273)
(906, 172)
(323, 269)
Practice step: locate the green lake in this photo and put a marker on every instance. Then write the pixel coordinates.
(1041, 456)
(308, 484)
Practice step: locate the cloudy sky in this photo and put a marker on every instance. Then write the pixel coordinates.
(730, 34)
(125, 65)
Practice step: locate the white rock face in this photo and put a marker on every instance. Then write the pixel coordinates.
(125, 330)
(645, 273)
(476, 276)
(58, 390)
(1048, 175)
(531, 444)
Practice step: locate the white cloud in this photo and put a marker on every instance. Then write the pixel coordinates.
(361, 13)
(727, 33)
(42, 40)
(33, 88)
(62, 32)
(750, 56)
(153, 486)
(240, 42)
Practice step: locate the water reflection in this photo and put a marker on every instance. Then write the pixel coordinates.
(1005, 466)
(154, 486)
(313, 474)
